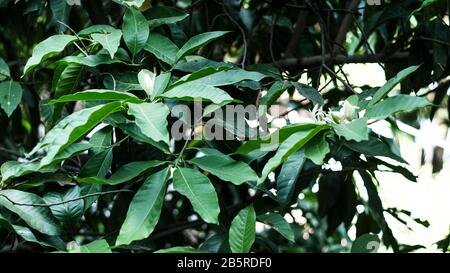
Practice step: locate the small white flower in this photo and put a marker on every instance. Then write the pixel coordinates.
(146, 79)
(348, 111)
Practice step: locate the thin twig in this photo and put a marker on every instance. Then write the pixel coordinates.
(244, 36)
(63, 202)
(340, 79)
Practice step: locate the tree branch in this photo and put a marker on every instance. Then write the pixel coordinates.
(315, 61)
(63, 202)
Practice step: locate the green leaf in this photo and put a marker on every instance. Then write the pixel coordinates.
(290, 171)
(124, 174)
(130, 3)
(292, 144)
(135, 30)
(151, 118)
(385, 89)
(14, 169)
(278, 223)
(199, 190)
(196, 63)
(192, 92)
(274, 139)
(243, 231)
(39, 218)
(72, 128)
(32, 236)
(66, 80)
(367, 243)
(356, 130)
(4, 70)
(98, 165)
(68, 213)
(96, 95)
(308, 92)
(161, 83)
(163, 15)
(181, 249)
(131, 129)
(60, 11)
(374, 147)
(10, 96)
(375, 204)
(275, 92)
(96, 29)
(110, 41)
(97, 246)
(198, 41)
(52, 45)
(395, 104)
(101, 140)
(220, 77)
(101, 58)
(226, 168)
(125, 81)
(163, 48)
(317, 150)
(145, 209)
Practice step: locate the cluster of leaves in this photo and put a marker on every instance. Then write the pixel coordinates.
(109, 174)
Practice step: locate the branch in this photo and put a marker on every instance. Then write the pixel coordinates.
(63, 202)
(298, 30)
(345, 26)
(315, 61)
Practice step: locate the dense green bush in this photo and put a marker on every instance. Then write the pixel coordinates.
(90, 156)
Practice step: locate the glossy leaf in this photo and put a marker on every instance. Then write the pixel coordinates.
(135, 30)
(39, 218)
(32, 236)
(124, 174)
(308, 92)
(4, 70)
(151, 118)
(52, 45)
(226, 168)
(192, 92)
(290, 171)
(163, 48)
(10, 96)
(145, 208)
(198, 41)
(200, 192)
(317, 150)
(109, 41)
(96, 29)
(126, 81)
(385, 89)
(161, 83)
(180, 249)
(163, 15)
(356, 130)
(395, 104)
(67, 213)
(14, 169)
(72, 128)
(97, 95)
(98, 165)
(292, 144)
(97, 246)
(242, 231)
(278, 223)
